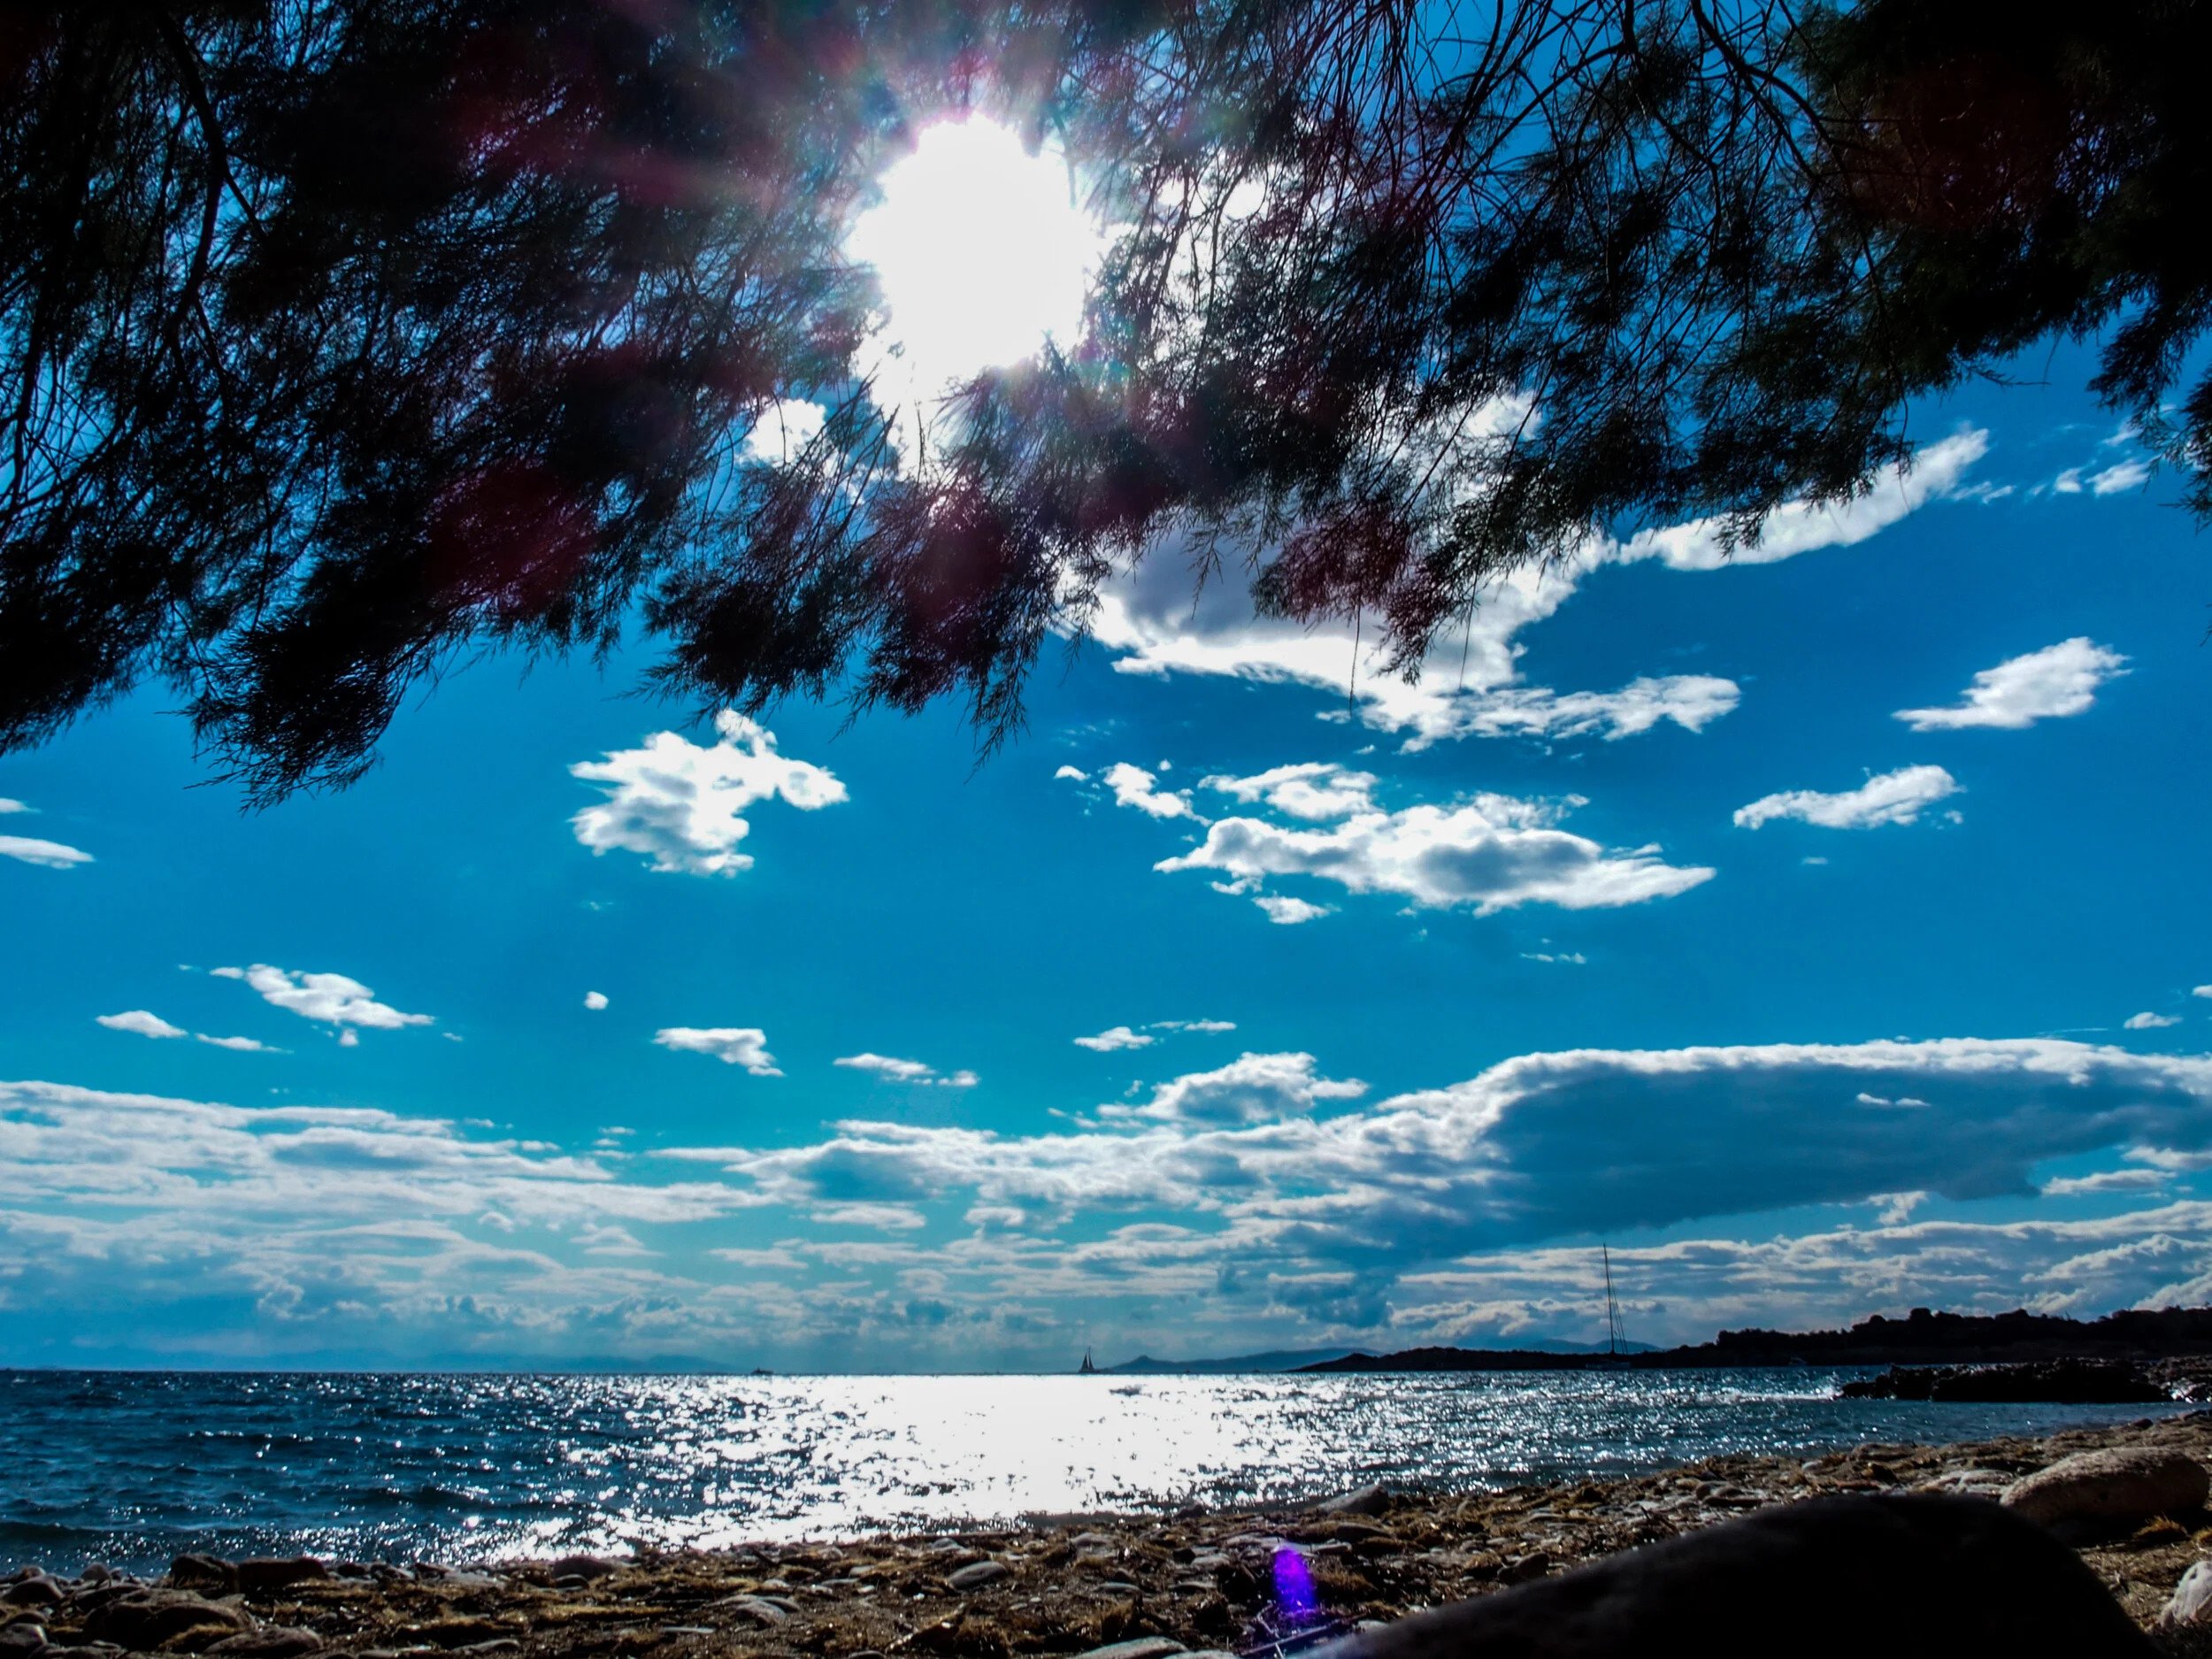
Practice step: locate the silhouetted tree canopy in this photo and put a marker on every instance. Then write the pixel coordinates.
(340, 338)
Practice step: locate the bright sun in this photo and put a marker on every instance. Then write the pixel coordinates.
(981, 251)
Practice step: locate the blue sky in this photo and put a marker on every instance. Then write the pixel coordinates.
(1824, 931)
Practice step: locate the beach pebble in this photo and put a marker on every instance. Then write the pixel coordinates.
(20, 1638)
(1369, 1499)
(2119, 1487)
(142, 1620)
(1141, 1647)
(976, 1574)
(37, 1590)
(2192, 1602)
(759, 1608)
(277, 1641)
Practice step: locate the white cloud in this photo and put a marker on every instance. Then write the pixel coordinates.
(2104, 1181)
(1491, 853)
(1115, 1037)
(140, 1023)
(733, 1044)
(1212, 1027)
(1894, 797)
(1072, 774)
(2147, 1021)
(2052, 683)
(1471, 684)
(594, 1000)
(784, 429)
(2201, 990)
(1311, 789)
(882, 1218)
(1253, 1089)
(1801, 527)
(2121, 475)
(331, 998)
(52, 855)
(1285, 910)
(896, 1071)
(679, 803)
(242, 1045)
(1134, 785)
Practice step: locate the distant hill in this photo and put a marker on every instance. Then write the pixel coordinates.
(1922, 1337)
(1275, 1359)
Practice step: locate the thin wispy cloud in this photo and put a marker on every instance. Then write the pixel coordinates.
(1894, 797)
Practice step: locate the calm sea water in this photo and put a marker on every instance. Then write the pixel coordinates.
(131, 1468)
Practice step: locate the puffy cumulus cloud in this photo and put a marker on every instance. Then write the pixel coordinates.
(330, 998)
(1115, 1037)
(2051, 684)
(1310, 790)
(1471, 686)
(896, 1070)
(238, 1045)
(680, 803)
(784, 430)
(1253, 1089)
(140, 1023)
(1134, 786)
(595, 1000)
(1490, 854)
(2147, 1021)
(879, 1218)
(732, 1045)
(1894, 797)
(1287, 910)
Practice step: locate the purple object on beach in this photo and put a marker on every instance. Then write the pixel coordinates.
(1294, 1588)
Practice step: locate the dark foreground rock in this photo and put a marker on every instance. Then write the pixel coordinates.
(1265, 1582)
(1919, 1577)
(2070, 1382)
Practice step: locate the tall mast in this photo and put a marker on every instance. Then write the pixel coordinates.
(1612, 1309)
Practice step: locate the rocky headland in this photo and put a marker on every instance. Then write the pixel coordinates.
(2131, 1498)
(2143, 1336)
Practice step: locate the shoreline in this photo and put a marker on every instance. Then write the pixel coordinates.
(1058, 1585)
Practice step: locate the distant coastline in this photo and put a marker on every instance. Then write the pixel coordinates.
(1922, 1337)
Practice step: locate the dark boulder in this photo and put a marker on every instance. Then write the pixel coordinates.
(144, 1619)
(1921, 1576)
(269, 1576)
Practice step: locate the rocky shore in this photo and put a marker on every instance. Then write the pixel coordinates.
(1260, 1582)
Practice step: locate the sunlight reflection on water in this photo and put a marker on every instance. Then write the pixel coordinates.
(131, 1468)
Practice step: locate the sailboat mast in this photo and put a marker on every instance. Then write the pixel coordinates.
(1612, 1309)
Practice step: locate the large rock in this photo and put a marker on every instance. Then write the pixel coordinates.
(977, 1574)
(278, 1642)
(20, 1639)
(203, 1573)
(1918, 1576)
(1370, 1500)
(268, 1576)
(2192, 1602)
(144, 1619)
(2106, 1491)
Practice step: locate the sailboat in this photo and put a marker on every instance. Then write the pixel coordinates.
(1614, 1360)
(1087, 1369)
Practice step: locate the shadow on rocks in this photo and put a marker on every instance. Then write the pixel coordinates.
(1832, 1579)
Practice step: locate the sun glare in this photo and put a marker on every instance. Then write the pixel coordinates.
(981, 251)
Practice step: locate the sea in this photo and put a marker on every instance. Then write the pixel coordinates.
(133, 1467)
